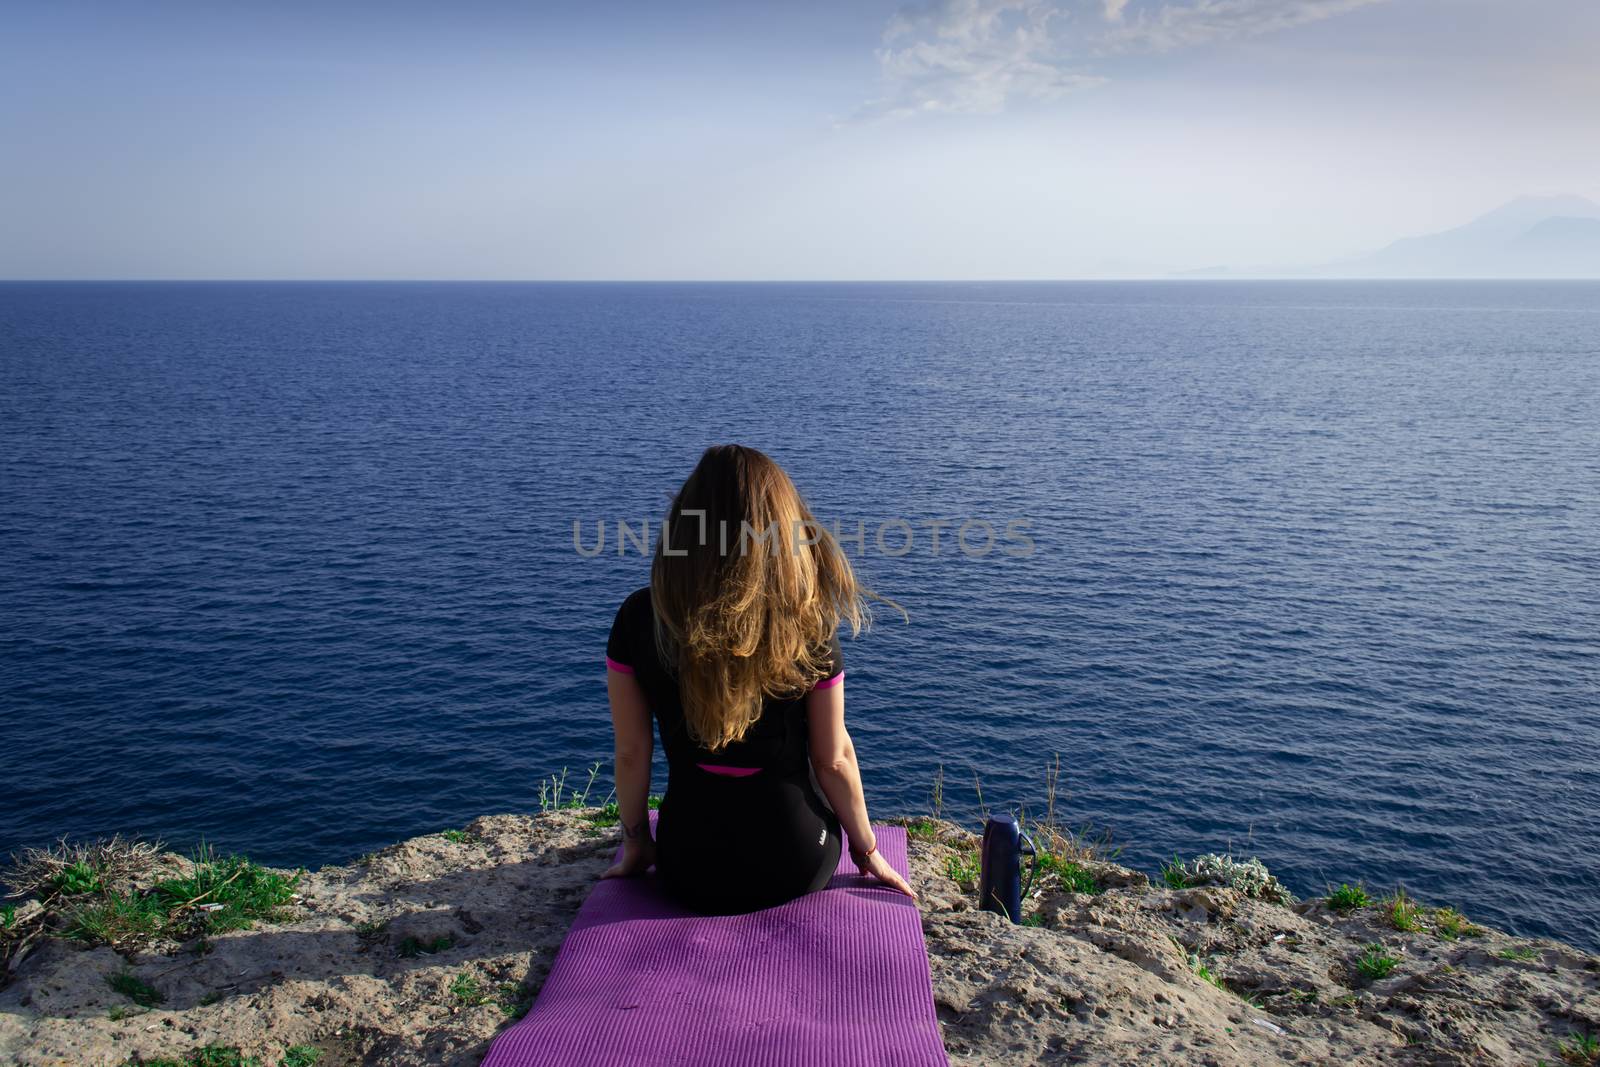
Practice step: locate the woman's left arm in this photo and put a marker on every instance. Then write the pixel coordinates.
(635, 748)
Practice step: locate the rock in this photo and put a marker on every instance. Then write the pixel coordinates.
(1132, 974)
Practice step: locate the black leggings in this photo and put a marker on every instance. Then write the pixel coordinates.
(726, 845)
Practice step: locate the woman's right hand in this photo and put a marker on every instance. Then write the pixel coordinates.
(879, 868)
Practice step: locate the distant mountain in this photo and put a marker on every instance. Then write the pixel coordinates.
(1531, 237)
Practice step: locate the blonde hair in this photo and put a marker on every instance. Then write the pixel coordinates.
(748, 590)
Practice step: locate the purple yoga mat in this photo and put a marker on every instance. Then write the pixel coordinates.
(835, 978)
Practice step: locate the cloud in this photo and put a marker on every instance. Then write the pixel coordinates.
(1173, 26)
(977, 56)
(971, 56)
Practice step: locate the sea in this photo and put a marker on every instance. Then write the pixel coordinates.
(1302, 571)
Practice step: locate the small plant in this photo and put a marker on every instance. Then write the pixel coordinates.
(1348, 897)
(1521, 952)
(1451, 925)
(962, 868)
(1173, 876)
(43, 871)
(653, 802)
(1402, 911)
(114, 920)
(412, 947)
(607, 815)
(118, 1012)
(922, 829)
(512, 1000)
(372, 930)
(76, 878)
(456, 837)
(1203, 972)
(213, 997)
(300, 1056)
(135, 988)
(580, 800)
(243, 892)
(556, 787)
(554, 794)
(466, 991)
(1580, 1049)
(220, 1056)
(1249, 877)
(8, 916)
(1374, 963)
(1075, 877)
(936, 796)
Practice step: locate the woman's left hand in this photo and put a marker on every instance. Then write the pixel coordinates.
(635, 858)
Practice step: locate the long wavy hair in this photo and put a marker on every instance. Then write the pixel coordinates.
(748, 590)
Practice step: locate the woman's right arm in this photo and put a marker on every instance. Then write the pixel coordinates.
(833, 758)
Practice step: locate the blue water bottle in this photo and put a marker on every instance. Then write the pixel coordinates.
(1000, 873)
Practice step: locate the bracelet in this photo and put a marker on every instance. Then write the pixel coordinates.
(858, 856)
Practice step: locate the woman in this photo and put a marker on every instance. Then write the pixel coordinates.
(733, 646)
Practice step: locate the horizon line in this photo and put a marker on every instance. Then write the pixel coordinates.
(1180, 278)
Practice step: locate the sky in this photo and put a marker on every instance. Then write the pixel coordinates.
(809, 140)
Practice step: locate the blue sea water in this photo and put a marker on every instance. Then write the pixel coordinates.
(1314, 572)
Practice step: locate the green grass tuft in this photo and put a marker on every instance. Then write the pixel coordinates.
(963, 868)
(1375, 963)
(1173, 876)
(221, 1056)
(456, 837)
(1580, 1049)
(246, 893)
(1348, 897)
(76, 878)
(213, 1056)
(1402, 912)
(411, 947)
(115, 919)
(1075, 877)
(1521, 952)
(300, 1056)
(512, 999)
(467, 991)
(606, 815)
(1202, 971)
(922, 829)
(135, 988)
(1451, 925)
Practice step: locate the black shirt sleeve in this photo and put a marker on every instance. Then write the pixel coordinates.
(620, 654)
(835, 661)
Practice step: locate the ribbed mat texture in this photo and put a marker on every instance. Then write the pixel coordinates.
(836, 978)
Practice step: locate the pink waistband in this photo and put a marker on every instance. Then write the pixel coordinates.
(732, 772)
(620, 668)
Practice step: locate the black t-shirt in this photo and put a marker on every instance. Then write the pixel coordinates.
(778, 741)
